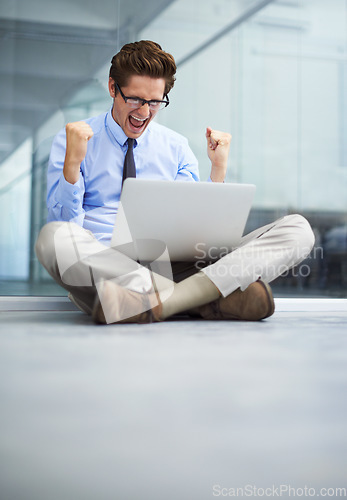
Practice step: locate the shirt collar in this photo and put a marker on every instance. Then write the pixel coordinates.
(117, 131)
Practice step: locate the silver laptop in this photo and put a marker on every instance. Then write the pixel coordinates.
(180, 221)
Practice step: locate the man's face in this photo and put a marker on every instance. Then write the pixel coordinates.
(134, 121)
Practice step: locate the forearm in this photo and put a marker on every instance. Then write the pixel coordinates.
(71, 171)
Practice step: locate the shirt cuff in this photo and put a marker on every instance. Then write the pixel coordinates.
(70, 195)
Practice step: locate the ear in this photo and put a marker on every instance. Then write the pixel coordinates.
(112, 87)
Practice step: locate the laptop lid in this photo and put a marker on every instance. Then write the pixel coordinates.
(186, 220)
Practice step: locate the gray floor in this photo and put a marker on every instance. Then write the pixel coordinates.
(183, 410)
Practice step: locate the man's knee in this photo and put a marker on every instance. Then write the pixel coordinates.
(44, 247)
(301, 231)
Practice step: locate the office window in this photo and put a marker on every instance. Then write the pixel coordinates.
(272, 73)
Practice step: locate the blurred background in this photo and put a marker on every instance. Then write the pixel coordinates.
(272, 73)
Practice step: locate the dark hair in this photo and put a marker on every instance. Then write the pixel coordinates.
(144, 58)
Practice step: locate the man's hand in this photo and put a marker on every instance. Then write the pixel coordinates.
(218, 145)
(77, 137)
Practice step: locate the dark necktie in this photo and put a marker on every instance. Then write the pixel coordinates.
(129, 169)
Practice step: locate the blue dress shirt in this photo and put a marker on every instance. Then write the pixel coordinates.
(92, 202)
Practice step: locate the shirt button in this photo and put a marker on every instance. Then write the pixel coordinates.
(75, 201)
(75, 192)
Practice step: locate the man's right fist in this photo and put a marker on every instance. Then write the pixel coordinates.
(77, 137)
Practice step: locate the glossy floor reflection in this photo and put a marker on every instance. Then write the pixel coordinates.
(183, 410)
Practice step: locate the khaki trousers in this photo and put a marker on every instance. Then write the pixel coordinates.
(77, 261)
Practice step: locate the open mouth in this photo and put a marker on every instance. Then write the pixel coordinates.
(137, 123)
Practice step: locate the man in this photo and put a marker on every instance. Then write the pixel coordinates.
(88, 164)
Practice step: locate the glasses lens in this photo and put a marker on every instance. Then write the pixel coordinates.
(134, 103)
(155, 105)
(160, 105)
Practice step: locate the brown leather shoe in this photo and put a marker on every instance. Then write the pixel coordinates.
(115, 304)
(255, 303)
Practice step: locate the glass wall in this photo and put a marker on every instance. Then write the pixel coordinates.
(272, 73)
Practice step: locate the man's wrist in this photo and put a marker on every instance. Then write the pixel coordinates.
(218, 174)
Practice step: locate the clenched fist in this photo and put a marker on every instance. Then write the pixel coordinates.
(77, 137)
(218, 146)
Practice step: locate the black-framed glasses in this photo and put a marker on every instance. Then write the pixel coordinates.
(138, 102)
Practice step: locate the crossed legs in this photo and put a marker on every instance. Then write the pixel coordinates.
(80, 264)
